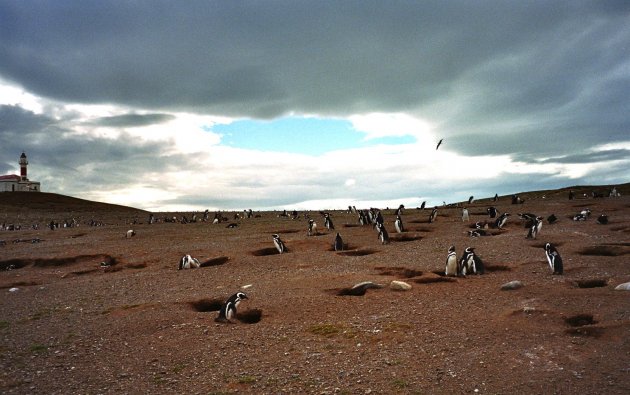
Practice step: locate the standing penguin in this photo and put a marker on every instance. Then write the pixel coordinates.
(279, 244)
(312, 227)
(492, 212)
(470, 263)
(398, 224)
(535, 228)
(228, 310)
(554, 259)
(433, 215)
(451, 262)
(338, 243)
(465, 215)
(383, 236)
(328, 222)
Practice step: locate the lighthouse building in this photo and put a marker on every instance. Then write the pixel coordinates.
(21, 183)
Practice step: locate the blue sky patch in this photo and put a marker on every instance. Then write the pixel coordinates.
(310, 136)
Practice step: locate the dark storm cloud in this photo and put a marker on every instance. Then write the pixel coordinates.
(133, 120)
(268, 58)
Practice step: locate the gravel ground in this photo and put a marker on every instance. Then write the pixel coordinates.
(68, 325)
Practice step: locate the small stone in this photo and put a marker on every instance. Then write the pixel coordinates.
(623, 287)
(399, 286)
(14, 289)
(512, 285)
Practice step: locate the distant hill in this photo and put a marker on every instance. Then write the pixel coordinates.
(563, 193)
(52, 202)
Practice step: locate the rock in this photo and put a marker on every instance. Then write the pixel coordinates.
(13, 289)
(399, 286)
(623, 287)
(512, 285)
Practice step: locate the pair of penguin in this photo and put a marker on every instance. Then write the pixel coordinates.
(469, 263)
(228, 310)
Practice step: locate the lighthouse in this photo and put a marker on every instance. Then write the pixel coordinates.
(21, 183)
(23, 164)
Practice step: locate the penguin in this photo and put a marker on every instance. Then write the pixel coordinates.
(496, 197)
(535, 228)
(279, 244)
(362, 218)
(492, 212)
(424, 203)
(338, 243)
(232, 225)
(477, 233)
(583, 215)
(470, 263)
(529, 218)
(451, 262)
(471, 199)
(383, 236)
(465, 215)
(554, 259)
(378, 217)
(359, 289)
(532, 232)
(602, 219)
(188, 262)
(398, 224)
(328, 222)
(433, 215)
(399, 210)
(500, 222)
(481, 225)
(539, 224)
(228, 310)
(312, 227)
(552, 219)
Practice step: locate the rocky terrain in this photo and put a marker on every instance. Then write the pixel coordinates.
(86, 310)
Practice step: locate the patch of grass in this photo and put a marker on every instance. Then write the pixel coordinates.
(4, 324)
(326, 330)
(40, 314)
(178, 368)
(246, 379)
(400, 383)
(38, 348)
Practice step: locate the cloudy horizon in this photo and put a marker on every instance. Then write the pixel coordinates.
(269, 105)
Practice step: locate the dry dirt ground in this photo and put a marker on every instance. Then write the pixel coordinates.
(67, 325)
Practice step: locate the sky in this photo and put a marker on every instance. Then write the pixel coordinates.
(232, 105)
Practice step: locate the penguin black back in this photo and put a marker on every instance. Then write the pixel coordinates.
(228, 310)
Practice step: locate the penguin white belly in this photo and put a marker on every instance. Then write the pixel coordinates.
(451, 267)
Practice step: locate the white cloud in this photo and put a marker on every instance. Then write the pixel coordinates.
(378, 125)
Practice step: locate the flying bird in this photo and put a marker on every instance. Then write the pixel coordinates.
(438, 144)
